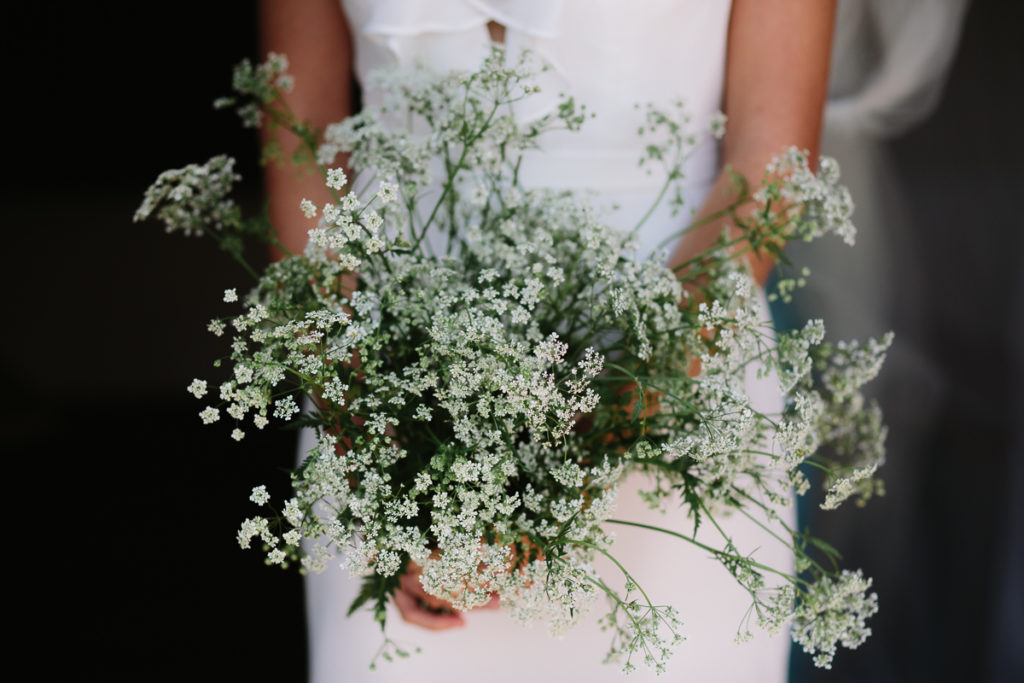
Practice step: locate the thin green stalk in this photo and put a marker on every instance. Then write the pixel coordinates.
(713, 551)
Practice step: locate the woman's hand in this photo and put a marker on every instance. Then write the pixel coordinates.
(422, 609)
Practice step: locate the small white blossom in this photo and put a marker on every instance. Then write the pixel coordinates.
(259, 495)
(216, 327)
(717, 125)
(197, 388)
(285, 82)
(285, 408)
(336, 178)
(388, 192)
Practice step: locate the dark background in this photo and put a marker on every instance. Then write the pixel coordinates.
(124, 506)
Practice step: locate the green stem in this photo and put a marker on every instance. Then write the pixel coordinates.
(713, 551)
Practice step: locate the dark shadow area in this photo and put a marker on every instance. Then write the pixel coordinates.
(133, 503)
(944, 545)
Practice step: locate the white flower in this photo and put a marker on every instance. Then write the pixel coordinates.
(717, 125)
(388, 192)
(350, 202)
(216, 326)
(285, 408)
(308, 208)
(277, 62)
(292, 512)
(230, 295)
(197, 388)
(237, 434)
(209, 415)
(251, 528)
(259, 495)
(336, 178)
(285, 82)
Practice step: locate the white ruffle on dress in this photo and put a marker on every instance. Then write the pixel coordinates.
(609, 55)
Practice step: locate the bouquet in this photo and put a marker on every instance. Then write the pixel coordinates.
(485, 363)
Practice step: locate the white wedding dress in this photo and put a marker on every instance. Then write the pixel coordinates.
(609, 54)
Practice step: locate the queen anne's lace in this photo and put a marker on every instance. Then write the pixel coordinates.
(506, 385)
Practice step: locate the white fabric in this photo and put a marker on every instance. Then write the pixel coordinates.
(609, 54)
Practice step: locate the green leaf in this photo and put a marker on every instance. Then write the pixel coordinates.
(367, 591)
(641, 403)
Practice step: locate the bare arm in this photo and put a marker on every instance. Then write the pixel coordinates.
(776, 81)
(314, 34)
(315, 37)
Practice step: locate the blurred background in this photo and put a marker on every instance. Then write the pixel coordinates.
(125, 507)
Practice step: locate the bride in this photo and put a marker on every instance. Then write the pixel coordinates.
(765, 63)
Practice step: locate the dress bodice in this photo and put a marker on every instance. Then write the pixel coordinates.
(609, 55)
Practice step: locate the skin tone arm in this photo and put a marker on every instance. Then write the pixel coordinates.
(314, 35)
(776, 81)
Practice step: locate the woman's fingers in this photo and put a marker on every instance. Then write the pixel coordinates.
(415, 612)
(419, 607)
(410, 583)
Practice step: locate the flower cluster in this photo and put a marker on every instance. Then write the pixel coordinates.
(193, 199)
(833, 611)
(486, 362)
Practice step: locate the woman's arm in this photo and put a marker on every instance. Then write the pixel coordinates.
(314, 35)
(776, 80)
